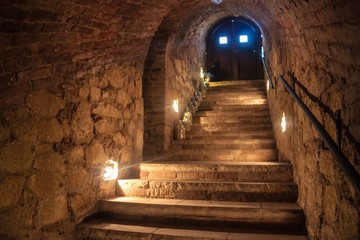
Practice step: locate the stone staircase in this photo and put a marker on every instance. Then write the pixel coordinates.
(224, 183)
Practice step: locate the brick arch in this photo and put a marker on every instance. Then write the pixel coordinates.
(173, 61)
(154, 95)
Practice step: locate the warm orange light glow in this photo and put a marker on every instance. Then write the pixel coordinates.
(202, 75)
(283, 123)
(176, 105)
(110, 170)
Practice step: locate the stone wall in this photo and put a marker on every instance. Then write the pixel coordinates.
(70, 99)
(321, 52)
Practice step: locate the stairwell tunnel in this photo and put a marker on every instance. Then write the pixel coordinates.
(292, 46)
(83, 82)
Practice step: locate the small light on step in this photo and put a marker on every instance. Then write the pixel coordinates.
(267, 85)
(176, 105)
(110, 170)
(283, 123)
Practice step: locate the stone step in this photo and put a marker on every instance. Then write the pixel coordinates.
(208, 190)
(235, 94)
(239, 88)
(229, 129)
(109, 230)
(251, 134)
(233, 119)
(239, 101)
(227, 141)
(236, 91)
(227, 146)
(230, 215)
(236, 83)
(231, 126)
(215, 171)
(251, 155)
(238, 113)
(232, 108)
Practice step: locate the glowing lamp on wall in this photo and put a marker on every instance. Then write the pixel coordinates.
(283, 123)
(176, 105)
(202, 75)
(110, 170)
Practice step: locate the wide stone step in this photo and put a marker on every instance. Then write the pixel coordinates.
(244, 145)
(238, 101)
(238, 113)
(238, 88)
(199, 213)
(250, 140)
(251, 155)
(248, 120)
(249, 93)
(234, 143)
(225, 130)
(251, 134)
(215, 171)
(109, 230)
(236, 83)
(232, 108)
(209, 190)
(231, 126)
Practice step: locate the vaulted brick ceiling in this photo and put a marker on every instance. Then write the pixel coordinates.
(76, 26)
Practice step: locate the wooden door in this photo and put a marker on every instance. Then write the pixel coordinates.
(234, 50)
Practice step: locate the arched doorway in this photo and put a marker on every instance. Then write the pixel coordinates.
(234, 47)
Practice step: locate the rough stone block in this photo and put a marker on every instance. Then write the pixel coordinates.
(106, 126)
(126, 155)
(107, 111)
(10, 191)
(123, 98)
(84, 92)
(82, 124)
(95, 94)
(330, 197)
(78, 180)
(45, 104)
(76, 155)
(81, 205)
(53, 162)
(348, 222)
(53, 210)
(46, 184)
(16, 157)
(50, 131)
(95, 154)
(119, 138)
(117, 78)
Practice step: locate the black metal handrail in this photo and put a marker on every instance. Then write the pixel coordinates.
(349, 171)
(267, 73)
